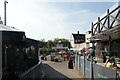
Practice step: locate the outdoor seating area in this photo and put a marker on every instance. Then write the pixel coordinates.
(99, 69)
(104, 57)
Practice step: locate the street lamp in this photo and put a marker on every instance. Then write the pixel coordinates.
(5, 12)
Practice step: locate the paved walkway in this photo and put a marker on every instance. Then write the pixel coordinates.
(55, 70)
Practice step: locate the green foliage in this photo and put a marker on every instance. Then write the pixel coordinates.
(46, 47)
(61, 40)
(43, 43)
(52, 58)
(50, 43)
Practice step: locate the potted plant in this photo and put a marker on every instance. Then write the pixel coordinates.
(56, 59)
(52, 58)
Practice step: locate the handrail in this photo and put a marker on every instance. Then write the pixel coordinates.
(107, 15)
(29, 70)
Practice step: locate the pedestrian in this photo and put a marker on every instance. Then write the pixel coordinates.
(83, 50)
(71, 60)
(110, 63)
(104, 57)
(71, 57)
(88, 56)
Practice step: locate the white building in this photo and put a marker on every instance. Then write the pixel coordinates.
(77, 41)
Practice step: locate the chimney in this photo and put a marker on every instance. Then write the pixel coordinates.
(78, 32)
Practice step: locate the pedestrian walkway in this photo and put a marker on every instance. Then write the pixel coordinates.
(55, 70)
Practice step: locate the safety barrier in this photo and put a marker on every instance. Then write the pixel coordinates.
(34, 73)
(99, 71)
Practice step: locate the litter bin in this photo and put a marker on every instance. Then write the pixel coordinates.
(70, 64)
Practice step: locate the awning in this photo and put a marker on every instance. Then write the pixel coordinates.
(104, 35)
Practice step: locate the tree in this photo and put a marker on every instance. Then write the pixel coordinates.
(63, 41)
(50, 43)
(56, 40)
(43, 43)
(46, 47)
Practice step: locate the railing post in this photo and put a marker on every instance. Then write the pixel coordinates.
(84, 65)
(110, 45)
(98, 24)
(92, 29)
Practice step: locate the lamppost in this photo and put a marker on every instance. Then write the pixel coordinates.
(5, 12)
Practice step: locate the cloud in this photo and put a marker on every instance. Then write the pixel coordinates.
(38, 21)
(81, 20)
(41, 20)
(78, 0)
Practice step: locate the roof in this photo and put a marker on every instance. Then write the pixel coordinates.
(8, 28)
(78, 36)
(32, 40)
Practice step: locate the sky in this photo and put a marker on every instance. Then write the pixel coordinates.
(53, 19)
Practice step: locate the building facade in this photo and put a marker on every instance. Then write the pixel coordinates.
(77, 41)
(107, 32)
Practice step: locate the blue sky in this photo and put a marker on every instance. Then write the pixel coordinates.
(50, 20)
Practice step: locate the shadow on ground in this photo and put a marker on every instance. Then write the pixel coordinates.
(52, 74)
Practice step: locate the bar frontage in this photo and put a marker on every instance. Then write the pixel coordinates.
(105, 39)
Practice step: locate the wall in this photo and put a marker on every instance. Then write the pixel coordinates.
(99, 72)
(98, 49)
(72, 41)
(79, 46)
(87, 40)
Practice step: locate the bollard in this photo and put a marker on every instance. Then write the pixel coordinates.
(84, 65)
